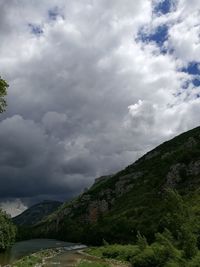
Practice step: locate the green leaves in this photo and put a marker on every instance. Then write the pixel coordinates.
(3, 93)
(141, 241)
(7, 231)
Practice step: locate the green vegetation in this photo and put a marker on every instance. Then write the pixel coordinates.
(7, 231)
(158, 254)
(28, 261)
(3, 93)
(35, 258)
(115, 251)
(176, 246)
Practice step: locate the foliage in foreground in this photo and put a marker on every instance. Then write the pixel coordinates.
(175, 246)
(3, 93)
(7, 231)
(28, 261)
(157, 254)
(35, 258)
(117, 252)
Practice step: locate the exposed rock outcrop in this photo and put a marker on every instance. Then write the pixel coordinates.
(174, 175)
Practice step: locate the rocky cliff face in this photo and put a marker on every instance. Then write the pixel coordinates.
(89, 207)
(133, 197)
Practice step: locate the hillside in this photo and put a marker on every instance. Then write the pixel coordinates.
(36, 213)
(117, 206)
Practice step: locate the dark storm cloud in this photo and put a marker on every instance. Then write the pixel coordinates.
(26, 148)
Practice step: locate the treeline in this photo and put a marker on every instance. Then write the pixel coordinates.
(7, 231)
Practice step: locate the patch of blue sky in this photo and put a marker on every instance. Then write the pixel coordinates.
(159, 36)
(196, 82)
(163, 7)
(193, 69)
(35, 29)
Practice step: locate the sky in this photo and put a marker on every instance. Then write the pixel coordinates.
(94, 85)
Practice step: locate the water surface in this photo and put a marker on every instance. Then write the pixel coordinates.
(21, 249)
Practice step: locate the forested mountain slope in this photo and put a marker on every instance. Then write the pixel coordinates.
(117, 206)
(36, 213)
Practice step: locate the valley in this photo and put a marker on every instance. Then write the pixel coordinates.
(145, 215)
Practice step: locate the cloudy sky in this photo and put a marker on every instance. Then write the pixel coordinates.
(94, 84)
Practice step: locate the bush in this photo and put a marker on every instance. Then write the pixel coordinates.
(141, 241)
(147, 258)
(195, 262)
(162, 253)
(189, 242)
(118, 252)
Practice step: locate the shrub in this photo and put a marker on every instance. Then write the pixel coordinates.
(147, 258)
(195, 262)
(118, 252)
(141, 241)
(105, 243)
(161, 253)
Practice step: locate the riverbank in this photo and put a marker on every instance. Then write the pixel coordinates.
(61, 257)
(25, 248)
(36, 259)
(80, 258)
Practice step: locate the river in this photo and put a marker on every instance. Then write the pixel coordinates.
(23, 248)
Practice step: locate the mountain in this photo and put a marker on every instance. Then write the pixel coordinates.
(119, 205)
(36, 213)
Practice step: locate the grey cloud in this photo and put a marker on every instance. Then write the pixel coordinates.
(85, 165)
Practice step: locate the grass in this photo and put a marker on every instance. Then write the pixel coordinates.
(35, 258)
(28, 261)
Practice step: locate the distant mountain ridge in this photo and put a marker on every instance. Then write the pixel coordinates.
(118, 206)
(36, 213)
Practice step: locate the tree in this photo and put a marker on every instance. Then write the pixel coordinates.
(3, 93)
(7, 228)
(141, 241)
(181, 221)
(7, 231)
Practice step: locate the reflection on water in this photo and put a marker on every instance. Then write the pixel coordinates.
(24, 248)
